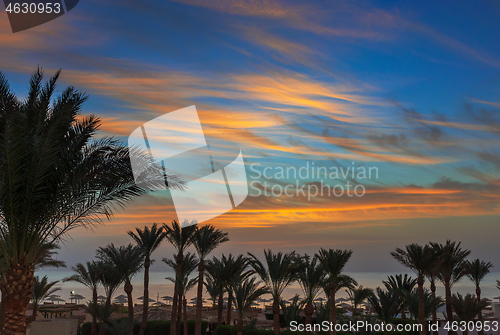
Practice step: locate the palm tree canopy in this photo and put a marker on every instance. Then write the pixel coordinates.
(467, 308)
(87, 274)
(430, 303)
(386, 303)
(148, 239)
(415, 257)
(334, 261)
(400, 282)
(342, 282)
(46, 257)
(215, 274)
(206, 239)
(127, 260)
(54, 176)
(234, 269)
(110, 278)
(453, 263)
(360, 294)
(189, 264)
(42, 289)
(246, 292)
(477, 269)
(180, 238)
(278, 271)
(212, 287)
(311, 277)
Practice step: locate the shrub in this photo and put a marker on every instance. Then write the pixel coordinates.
(155, 328)
(270, 316)
(258, 332)
(232, 330)
(225, 330)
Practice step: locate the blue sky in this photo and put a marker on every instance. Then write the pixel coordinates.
(409, 87)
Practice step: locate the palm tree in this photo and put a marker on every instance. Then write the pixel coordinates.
(205, 240)
(419, 259)
(432, 275)
(127, 260)
(386, 304)
(88, 275)
(45, 258)
(215, 274)
(452, 268)
(403, 285)
(111, 279)
(333, 262)
(148, 239)
(234, 269)
(310, 279)
(246, 291)
(476, 271)
(54, 178)
(467, 308)
(291, 309)
(343, 281)
(211, 287)
(358, 295)
(183, 282)
(42, 288)
(279, 271)
(322, 312)
(431, 303)
(181, 239)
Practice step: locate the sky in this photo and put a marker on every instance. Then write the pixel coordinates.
(410, 90)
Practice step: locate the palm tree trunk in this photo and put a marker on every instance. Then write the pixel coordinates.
(421, 305)
(107, 307)
(35, 311)
(199, 304)
(434, 310)
(2, 312)
(308, 311)
(333, 311)
(173, 313)
(145, 303)
(240, 326)
(449, 308)
(128, 289)
(175, 302)
(94, 329)
(480, 315)
(18, 288)
(185, 318)
(229, 307)
(276, 316)
(220, 308)
(180, 306)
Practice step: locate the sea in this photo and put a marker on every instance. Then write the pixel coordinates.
(159, 286)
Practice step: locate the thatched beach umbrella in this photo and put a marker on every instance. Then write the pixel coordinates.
(150, 300)
(195, 299)
(121, 299)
